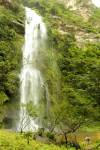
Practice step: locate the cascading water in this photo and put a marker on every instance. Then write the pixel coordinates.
(30, 78)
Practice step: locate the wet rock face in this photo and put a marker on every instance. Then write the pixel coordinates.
(5, 2)
(18, 26)
(76, 4)
(81, 7)
(70, 4)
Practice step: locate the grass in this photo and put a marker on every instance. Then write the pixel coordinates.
(94, 127)
(15, 141)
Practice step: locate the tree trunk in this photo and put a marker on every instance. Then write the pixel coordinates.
(28, 140)
(65, 135)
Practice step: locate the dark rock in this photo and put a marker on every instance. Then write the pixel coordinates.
(42, 139)
(18, 26)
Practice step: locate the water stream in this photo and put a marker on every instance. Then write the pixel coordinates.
(30, 78)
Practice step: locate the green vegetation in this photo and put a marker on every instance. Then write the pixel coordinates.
(11, 40)
(71, 71)
(11, 141)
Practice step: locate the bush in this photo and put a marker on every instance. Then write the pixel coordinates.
(51, 136)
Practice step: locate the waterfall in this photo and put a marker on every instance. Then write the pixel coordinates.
(30, 78)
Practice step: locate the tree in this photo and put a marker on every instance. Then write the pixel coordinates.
(64, 119)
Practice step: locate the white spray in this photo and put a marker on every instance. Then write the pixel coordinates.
(31, 79)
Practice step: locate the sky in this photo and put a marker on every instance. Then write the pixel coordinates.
(96, 2)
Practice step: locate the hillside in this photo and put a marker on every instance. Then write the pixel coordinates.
(11, 41)
(69, 61)
(75, 47)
